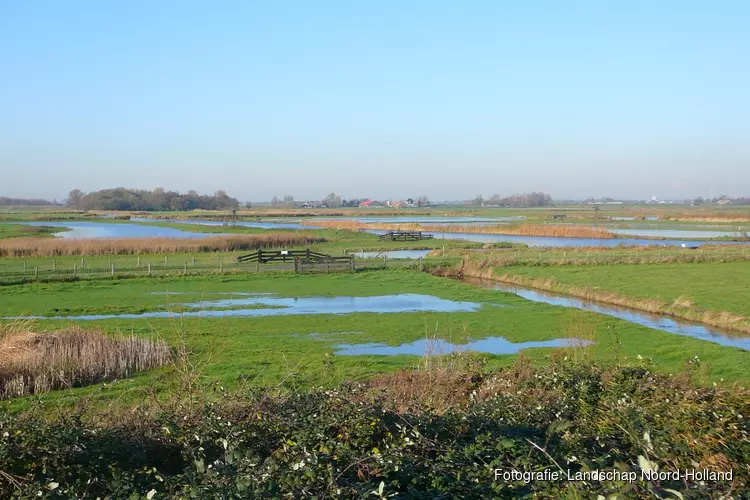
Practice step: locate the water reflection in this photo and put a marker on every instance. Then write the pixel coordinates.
(254, 306)
(664, 323)
(439, 347)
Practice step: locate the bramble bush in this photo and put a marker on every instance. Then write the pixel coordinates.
(395, 437)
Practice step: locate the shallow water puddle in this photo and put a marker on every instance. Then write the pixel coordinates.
(393, 254)
(439, 347)
(280, 306)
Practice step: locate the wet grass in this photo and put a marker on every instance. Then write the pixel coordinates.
(268, 351)
(713, 293)
(8, 231)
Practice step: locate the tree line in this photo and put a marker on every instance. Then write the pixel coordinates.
(21, 202)
(533, 199)
(144, 200)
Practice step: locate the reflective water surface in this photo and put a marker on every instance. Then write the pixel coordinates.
(253, 306)
(664, 323)
(439, 347)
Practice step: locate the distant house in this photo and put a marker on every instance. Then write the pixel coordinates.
(370, 204)
(724, 202)
(398, 204)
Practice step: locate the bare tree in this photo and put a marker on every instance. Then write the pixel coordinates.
(423, 201)
(332, 200)
(74, 198)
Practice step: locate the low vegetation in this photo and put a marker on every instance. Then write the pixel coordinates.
(50, 247)
(557, 230)
(433, 434)
(34, 363)
(19, 230)
(577, 256)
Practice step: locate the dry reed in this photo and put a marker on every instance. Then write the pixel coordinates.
(32, 363)
(556, 230)
(50, 247)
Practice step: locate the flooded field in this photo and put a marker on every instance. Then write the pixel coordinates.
(140, 228)
(440, 347)
(255, 306)
(393, 254)
(664, 323)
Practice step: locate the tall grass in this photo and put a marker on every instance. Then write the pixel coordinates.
(33, 363)
(602, 255)
(554, 230)
(49, 247)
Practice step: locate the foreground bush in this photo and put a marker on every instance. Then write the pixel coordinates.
(50, 247)
(32, 363)
(391, 439)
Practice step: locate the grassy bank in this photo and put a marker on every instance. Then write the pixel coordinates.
(8, 231)
(577, 256)
(713, 293)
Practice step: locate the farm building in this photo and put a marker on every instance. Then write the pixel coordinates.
(370, 204)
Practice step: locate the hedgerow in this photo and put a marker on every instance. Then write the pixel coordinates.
(365, 440)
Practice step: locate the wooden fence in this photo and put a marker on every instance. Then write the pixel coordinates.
(405, 236)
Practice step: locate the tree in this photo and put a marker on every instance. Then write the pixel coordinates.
(332, 200)
(74, 198)
(478, 201)
(422, 201)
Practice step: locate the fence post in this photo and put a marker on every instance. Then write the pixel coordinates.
(139, 261)
(149, 268)
(354, 264)
(326, 265)
(82, 263)
(110, 261)
(112, 270)
(185, 267)
(165, 261)
(54, 265)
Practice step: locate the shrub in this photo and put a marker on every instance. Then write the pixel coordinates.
(354, 442)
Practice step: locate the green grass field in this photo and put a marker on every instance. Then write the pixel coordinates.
(279, 349)
(710, 286)
(20, 230)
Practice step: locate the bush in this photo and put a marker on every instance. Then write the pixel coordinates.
(355, 443)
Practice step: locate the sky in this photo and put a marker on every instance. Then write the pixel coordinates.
(381, 99)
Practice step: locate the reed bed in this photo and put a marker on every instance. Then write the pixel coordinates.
(601, 256)
(556, 230)
(33, 363)
(51, 247)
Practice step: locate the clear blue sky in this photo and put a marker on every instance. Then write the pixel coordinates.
(376, 98)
